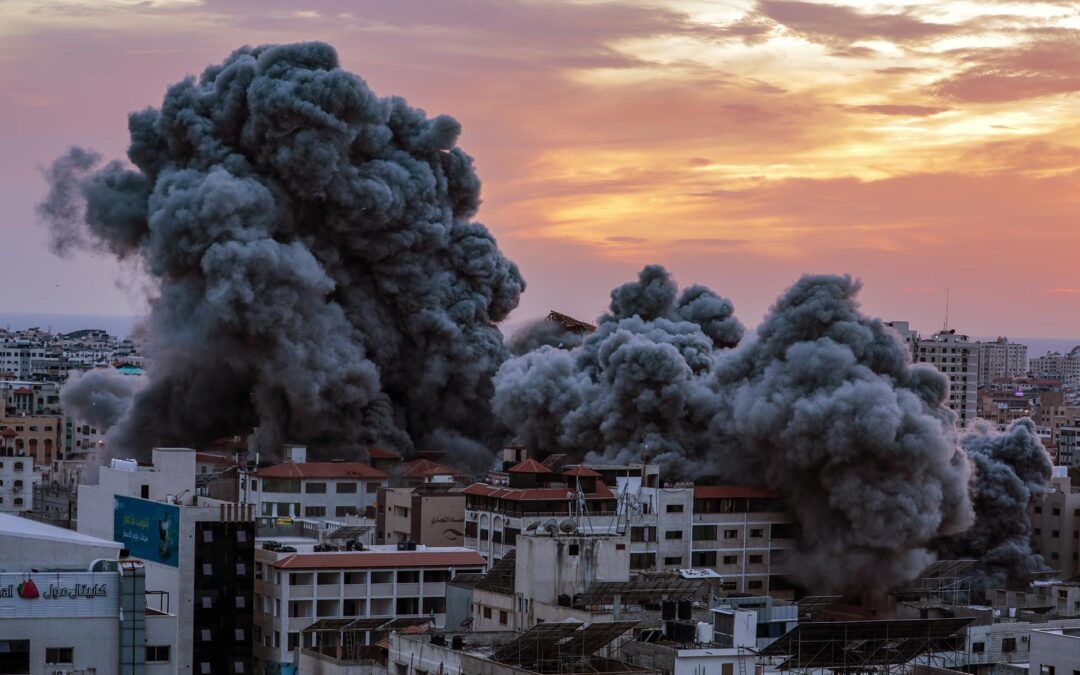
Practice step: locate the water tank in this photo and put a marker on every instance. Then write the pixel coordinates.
(564, 600)
(704, 633)
(124, 464)
(457, 642)
(667, 610)
(685, 607)
(670, 628)
(438, 639)
(686, 631)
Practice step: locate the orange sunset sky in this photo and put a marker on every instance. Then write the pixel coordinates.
(917, 145)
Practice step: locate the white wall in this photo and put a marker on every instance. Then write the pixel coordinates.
(1057, 648)
(96, 641)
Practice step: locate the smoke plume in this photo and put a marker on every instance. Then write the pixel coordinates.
(98, 397)
(542, 333)
(823, 403)
(320, 278)
(1011, 469)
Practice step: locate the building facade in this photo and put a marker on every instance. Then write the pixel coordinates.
(313, 490)
(1001, 359)
(955, 357)
(296, 589)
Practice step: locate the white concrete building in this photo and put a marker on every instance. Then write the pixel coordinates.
(1001, 359)
(86, 614)
(197, 551)
(312, 490)
(293, 590)
(1055, 651)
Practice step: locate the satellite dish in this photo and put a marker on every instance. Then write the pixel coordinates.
(532, 526)
(551, 526)
(568, 526)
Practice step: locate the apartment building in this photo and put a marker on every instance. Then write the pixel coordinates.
(293, 590)
(36, 435)
(16, 480)
(1000, 359)
(1055, 525)
(955, 357)
(739, 531)
(313, 490)
(1064, 367)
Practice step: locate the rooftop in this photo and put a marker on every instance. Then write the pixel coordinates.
(434, 557)
(529, 466)
(732, 491)
(534, 494)
(382, 453)
(424, 468)
(320, 470)
(24, 528)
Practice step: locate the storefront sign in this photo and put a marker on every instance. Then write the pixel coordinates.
(59, 594)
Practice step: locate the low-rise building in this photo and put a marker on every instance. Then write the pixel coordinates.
(1055, 525)
(313, 490)
(16, 480)
(38, 436)
(295, 589)
(1055, 651)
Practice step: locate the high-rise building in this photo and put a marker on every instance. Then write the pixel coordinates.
(1000, 359)
(954, 356)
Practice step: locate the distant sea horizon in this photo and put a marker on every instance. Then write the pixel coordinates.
(122, 325)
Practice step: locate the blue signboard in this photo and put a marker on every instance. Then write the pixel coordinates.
(149, 530)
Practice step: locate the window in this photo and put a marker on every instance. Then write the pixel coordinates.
(754, 584)
(144, 492)
(314, 511)
(758, 533)
(59, 655)
(674, 508)
(573, 549)
(1056, 512)
(673, 534)
(314, 488)
(704, 532)
(731, 560)
(1008, 644)
(348, 488)
(642, 561)
(673, 560)
(731, 534)
(157, 653)
(642, 534)
(1046, 670)
(294, 641)
(703, 559)
(504, 619)
(755, 559)
(14, 656)
(408, 577)
(487, 612)
(371, 488)
(343, 511)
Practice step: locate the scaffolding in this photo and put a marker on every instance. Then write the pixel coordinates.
(888, 647)
(562, 647)
(943, 582)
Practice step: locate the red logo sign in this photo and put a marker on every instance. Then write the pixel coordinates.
(28, 590)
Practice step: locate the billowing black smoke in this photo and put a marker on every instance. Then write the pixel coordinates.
(542, 333)
(320, 277)
(823, 404)
(1011, 470)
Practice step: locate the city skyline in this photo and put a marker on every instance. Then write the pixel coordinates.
(916, 146)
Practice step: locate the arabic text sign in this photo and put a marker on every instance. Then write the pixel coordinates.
(149, 530)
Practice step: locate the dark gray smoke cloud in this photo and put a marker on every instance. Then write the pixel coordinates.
(542, 333)
(1011, 469)
(822, 404)
(637, 386)
(321, 279)
(98, 397)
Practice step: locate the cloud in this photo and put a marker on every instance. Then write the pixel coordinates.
(1041, 67)
(824, 22)
(899, 109)
(1064, 291)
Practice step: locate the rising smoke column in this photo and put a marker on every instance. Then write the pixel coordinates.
(827, 407)
(1011, 470)
(320, 277)
(822, 404)
(637, 386)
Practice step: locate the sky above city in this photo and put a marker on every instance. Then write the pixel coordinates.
(917, 145)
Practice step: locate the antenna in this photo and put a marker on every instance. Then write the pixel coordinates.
(946, 330)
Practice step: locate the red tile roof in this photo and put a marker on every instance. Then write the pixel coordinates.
(534, 494)
(320, 470)
(381, 453)
(380, 559)
(731, 491)
(529, 466)
(211, 458)
(9, 433)
(582, 472)
(23, 390)
(424, 468)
